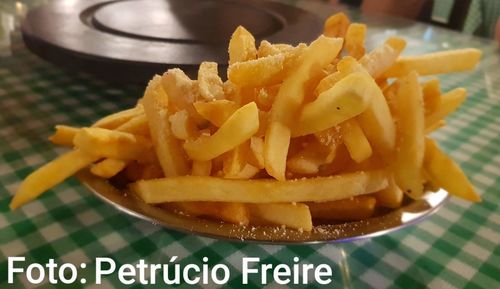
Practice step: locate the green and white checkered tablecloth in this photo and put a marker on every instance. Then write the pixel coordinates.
(459, 247)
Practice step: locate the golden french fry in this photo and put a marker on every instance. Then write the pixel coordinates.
(345, 66)
(217, 111)
(268, 49)
(436, 63)
(242, 124)
(289, 99)
(352, 209)
(182, 126)
(236, 163)
(108, 168)
(446, 173)
(187, 188)
(241, 46)
(236, 213)
(378, 125)
(435, 126)
(291, 215)
(50, 175)
(355, 40)
(263, 71)
(167, 147)
(256, 152)
(346, 99)
(390, 197)
(137, 125)
(111, 144)
(450, 102)
(64, 135)
(209, 82)
(114, 120)
(265, 97)
(377, 61)
(336, 25)
(355, 140)
(432, 96)
(180, 92)
(407, 107)
(398, 44)
(328, 82)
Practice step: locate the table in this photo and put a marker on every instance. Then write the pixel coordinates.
(458, 247)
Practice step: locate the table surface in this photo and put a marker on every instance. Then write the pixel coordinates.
(455, 248)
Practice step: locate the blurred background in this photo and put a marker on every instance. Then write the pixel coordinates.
(104, 37)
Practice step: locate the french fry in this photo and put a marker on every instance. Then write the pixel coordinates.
(182, 126)
(378, 125)
(187, 188)
(450, 102)
(291, 215)
(181, 92)
(268, 49)
(167, 147)
(288, 100)
(355, 40)
(390, 197)
(355, 141)
(217, 111)
(336, 25)
(346, 99)
(137, 125)
(407, 106)
(432, 96)
(345, 66)
(398, 44)
(50, 175)
(237, 129)
(446, 174)
(209, 82)
(111, 144)
(436, 63)
(114, 120)
(435, 126)
(377, 61)
(236, 163)
(265, 97)
(108, 168)
(352, 209)
(257, 152)
(263, 71)
(64, 135)
(235, 213)
(241, 46)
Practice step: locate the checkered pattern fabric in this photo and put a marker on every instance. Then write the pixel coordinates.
(458, 247)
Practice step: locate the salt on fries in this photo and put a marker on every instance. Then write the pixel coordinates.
(296, 134)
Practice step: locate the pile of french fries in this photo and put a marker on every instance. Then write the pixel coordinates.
(325, 131)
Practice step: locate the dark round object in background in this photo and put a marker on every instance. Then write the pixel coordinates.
(130, 40)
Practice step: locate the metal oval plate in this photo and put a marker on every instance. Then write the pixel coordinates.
(409, 214)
